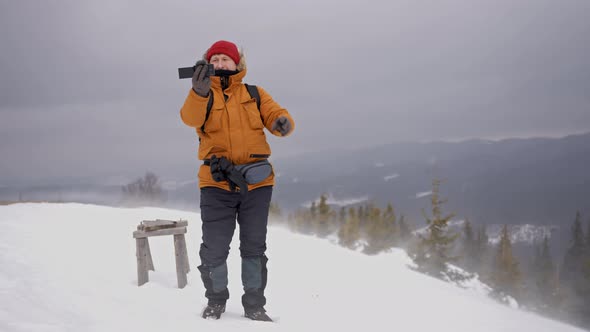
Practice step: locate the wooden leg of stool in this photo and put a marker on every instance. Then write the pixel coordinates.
(187, 267)
(180, 261)
(142, 264)
(150, 263)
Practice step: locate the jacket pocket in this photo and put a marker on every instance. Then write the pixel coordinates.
(253, 114)
(206, 150)
(214, 122)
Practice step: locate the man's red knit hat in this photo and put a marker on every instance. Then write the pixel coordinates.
(224, 47)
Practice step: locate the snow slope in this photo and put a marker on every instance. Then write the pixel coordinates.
(71, 267)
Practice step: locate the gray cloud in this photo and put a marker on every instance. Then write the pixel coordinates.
(91, 87)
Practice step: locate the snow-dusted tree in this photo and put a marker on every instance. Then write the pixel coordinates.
(349, 232)
(301, 221)
(381, 230)
(506, 274)
(390, 217)
(324, 218)
(274, 211)
(313, 209)
(575, 255)
(435, 246)
(482, 240)
(481, 244)
(342, 215)
(469, 252)
(545, 273)
(574, 276)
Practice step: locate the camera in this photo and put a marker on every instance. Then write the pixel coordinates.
(188, 72)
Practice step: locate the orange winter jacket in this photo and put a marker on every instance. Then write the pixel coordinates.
(235, 127)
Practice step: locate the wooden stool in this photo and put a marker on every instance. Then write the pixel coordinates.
(160, 227)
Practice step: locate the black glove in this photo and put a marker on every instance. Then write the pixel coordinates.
(201, 81)
(216, 169)
(282, 124)
(222, 169)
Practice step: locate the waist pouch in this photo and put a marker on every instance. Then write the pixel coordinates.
(255, 172)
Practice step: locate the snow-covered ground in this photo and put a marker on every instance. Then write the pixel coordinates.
(72, 267)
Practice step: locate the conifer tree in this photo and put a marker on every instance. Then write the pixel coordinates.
(391, 224)
(575, 255)
(301, 222)
(390, 218)
(323, 207)
(480, 252)
(435, 246)
(367, 210)
(342, 215)
(313, 210)
(380, 230)
(323, 217)
(372, 225)
(546, 277)
(274, 211)
(578, 240)
(576, 251)
(573, 275)
(468, 234)
(349, 232)
(361, 216)
(469, 245)
(506, 273)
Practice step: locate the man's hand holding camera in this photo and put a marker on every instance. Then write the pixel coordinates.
(201, 80)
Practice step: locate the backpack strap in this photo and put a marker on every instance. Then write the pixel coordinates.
(209, 106)
(253, 91)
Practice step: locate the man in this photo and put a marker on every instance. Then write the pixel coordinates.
(235, 179)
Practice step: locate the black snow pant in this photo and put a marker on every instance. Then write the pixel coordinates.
(219, 211)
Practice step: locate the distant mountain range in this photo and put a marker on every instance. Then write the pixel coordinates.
(539, 181)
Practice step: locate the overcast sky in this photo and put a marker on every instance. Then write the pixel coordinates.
(91, 87)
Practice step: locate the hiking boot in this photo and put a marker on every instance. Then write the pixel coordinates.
(213, 311)
(258, 314)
